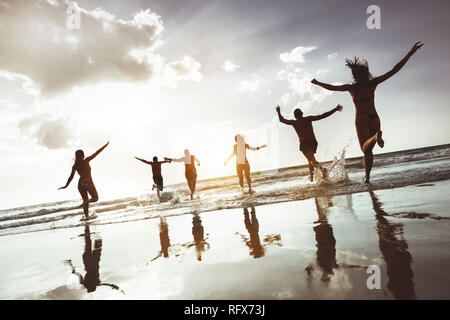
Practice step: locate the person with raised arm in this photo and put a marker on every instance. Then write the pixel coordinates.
(242, 164)
(190, 171)
(308, 143)
(85, 184)
(157, 177)
(362, 90)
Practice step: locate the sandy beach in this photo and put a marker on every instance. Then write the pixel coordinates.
(318, 248)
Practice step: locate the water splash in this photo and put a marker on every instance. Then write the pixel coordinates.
(336, 172)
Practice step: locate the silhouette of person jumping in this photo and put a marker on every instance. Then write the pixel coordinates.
(85, 183)
(157, 177)
(362, 91)
(190, 171)
(242, 165)
(308, 143)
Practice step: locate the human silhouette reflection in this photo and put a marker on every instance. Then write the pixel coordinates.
(325, 241)
(163, 239)
(395, 252)
(199, 239)
(91, 260)
(252, 226)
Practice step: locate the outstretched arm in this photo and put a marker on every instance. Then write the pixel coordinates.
(144, 161)
(174, 160)
(231, 156)
(70, 178)
(97, 152)
(326, 114)
(344, 87)
(282, 119)
(198, 161)
(399, 65)
(257, 148)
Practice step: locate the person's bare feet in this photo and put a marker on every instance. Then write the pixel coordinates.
(311, 178)
(380, 140)
(366, 180)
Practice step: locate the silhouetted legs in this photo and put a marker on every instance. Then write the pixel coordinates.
(86, 188)
(191, 178)
(312, 163)
(369, 133)
(244, 169)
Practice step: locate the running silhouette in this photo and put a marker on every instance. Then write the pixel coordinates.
(362, 91)
(157, 177)
(242, 165)
(190, 171)
(308, 143)
(85, 184)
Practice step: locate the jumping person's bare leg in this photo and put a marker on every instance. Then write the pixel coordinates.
(241, 178)
(249, 183)
(84, 194)
(86, 208)
(314, 163)
(380, 140)
(249, 180)
(369, 134)
(191, 185)
(311, 171)
(368, 162)
(93, 193)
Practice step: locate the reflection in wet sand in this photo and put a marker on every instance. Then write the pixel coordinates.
(257, 250)
(199, 239)
(326, 243)
(91, 260)
(395, 252)
(163, 239)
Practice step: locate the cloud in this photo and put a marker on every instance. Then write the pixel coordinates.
(297, 55)
(332, 56)
(47, 131)
(38, 46)
(187, 69)
(301, 90)
(250, 85)
(229, 66)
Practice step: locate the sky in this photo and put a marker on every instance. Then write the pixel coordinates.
(157, 77)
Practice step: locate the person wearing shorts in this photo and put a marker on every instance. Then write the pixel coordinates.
(156, 170)
(304, 129)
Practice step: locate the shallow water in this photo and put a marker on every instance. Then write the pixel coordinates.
(318, 248)
(418, 166)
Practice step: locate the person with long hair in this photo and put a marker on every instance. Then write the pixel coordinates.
(85, 184)
(362, 91)
(242, 164)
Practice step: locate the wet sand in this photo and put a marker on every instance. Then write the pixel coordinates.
(316, 248)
